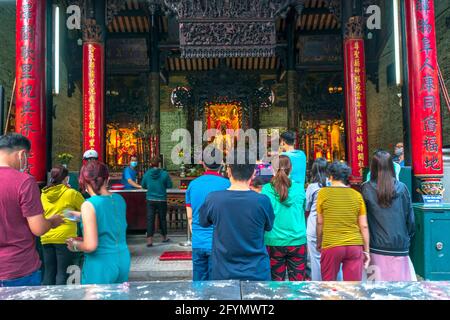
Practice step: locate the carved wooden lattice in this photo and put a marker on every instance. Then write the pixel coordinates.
(228, 28)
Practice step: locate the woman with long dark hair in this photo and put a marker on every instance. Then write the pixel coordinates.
(103, 217)
(56, 198)
(286, 242)
(391, 221)
(318, 181)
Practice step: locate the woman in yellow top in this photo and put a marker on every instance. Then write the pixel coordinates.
(56, 198)
(342, 231)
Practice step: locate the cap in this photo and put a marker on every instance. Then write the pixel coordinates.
(90, 154)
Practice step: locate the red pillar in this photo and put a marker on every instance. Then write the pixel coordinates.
(426, 135)
(30, 82)
(355, 98)
(93, 92)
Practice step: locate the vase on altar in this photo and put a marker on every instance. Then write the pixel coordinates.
(183, 170)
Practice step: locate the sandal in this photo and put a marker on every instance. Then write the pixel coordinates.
(149, 245)
(167, 240)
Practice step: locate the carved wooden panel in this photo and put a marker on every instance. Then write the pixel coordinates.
(127, 53)
(227, 28)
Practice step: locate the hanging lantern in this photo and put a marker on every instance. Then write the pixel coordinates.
(265, 97)
(180, 97)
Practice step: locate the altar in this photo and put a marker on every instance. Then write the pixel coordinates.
(223, 120)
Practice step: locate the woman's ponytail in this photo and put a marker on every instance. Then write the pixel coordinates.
(281, 181)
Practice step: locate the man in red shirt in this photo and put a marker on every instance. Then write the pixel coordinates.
(21, 215)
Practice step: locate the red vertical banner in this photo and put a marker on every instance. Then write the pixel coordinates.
(426, 135)
(93, 98)
(355, 107)
(30, 85)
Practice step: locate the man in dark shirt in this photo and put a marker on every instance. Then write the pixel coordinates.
(240, 217)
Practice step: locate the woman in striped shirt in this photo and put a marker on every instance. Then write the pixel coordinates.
(342, 230)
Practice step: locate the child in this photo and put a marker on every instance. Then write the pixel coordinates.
(257, 184)
(240, 217)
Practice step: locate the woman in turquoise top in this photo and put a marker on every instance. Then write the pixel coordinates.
(286, 243)
(103, 216)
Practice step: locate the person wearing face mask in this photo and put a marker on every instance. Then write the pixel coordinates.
(399, 154)
(129, 176)
(21, 215)
(57, 198)
(156, 181)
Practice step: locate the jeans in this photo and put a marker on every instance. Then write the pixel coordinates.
(33, 279)
(201, 264)
(152, 207)
(314, 258)
(57, 258)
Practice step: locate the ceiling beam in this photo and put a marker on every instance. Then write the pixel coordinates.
(132, 13)
(308, 11)
(127, 35)
(319, 32)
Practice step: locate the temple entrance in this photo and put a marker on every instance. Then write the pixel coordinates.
(126, 111)
(323, 139)
(322, 127)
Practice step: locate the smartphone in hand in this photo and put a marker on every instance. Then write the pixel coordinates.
(72, 215)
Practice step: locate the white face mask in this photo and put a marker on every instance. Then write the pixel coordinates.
(23, 166)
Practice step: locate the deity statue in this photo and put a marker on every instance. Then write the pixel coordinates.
(223, 117)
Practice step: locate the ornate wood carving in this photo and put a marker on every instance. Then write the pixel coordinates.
(112, 8)
(354, 28)
(223, 85)
(92, 32)
(233, 39)
(335, 8)
(154, 6)
(228, 28)
(261, 9)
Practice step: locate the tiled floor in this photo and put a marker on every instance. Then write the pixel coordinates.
(145, 264)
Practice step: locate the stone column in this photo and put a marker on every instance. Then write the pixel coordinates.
(292, 99)
(355, 98)
(291, 72)
(425, 112)
(30, 82)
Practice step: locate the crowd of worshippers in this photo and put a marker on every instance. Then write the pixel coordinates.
(243, 227)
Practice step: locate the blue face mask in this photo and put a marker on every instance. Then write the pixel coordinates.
(134, 164)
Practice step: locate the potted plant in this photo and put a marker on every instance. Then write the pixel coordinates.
(64, 159)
